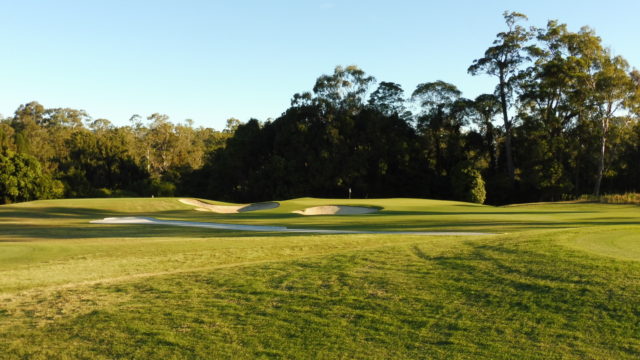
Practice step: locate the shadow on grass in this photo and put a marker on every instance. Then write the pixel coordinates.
(462, 213)
(502, 259)
(26, 233)
(54, 212)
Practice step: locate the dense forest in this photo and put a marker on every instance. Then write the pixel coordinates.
(562, 121)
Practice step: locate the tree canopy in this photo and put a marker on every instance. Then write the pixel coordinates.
(561, 121)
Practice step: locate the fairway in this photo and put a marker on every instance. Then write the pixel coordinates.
(554, 280)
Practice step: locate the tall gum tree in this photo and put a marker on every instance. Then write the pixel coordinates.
(440, 122)
(575, 80)
(604, 87)
(549, 110)
(389, 99)
(345, 89)
(504, 60)
(614, 91)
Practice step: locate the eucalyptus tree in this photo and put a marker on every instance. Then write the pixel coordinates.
(29, 113)
(345, 89)
(30, 137)
(485, 108)
(7, 134)
(504, 60)
(389, 100)
(551, 111)
(43, 133)
(442, 106)
(614, 92)
(570, 98)
(161, 140)
(440, 121)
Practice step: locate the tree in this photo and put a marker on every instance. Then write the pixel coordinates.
(503, 60)
(444, 113)
(232, 125)
(550, 114)
(64, 117)
(6, 137)
(42, 133)
(389, 100)
(345, 89)
(614, 91)
(30, 137)
(22, 179)
(435, 96)
(486, 107)
(100, 163)
(575, 80)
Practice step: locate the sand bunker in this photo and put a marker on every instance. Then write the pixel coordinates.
(337, 210)
(153, 221)
(229, 209)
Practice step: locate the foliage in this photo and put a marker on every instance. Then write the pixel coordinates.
(93, 158)
(568, 107)
(22, 179)
(468, 184)
(504, 60)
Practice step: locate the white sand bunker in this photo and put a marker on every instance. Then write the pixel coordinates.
(337, 210)
(153, 221)
(229, 209)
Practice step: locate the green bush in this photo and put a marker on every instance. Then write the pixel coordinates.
(162, 188)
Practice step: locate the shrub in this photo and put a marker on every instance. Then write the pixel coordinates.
(468, 184)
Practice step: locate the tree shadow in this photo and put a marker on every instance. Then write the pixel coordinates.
(54, 212)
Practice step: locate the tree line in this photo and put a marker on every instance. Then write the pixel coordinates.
(61, 152)
(562, 121)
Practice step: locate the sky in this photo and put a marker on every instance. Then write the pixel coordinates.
(212, 60)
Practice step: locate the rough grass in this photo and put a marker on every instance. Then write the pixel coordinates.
(627, 198)
(563, 281)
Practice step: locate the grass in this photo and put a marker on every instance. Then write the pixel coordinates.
(627, 198)
(562, 280)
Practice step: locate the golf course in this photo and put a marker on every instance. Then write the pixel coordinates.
(400, 279)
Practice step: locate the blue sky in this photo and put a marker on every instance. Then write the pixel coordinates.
(211, 60)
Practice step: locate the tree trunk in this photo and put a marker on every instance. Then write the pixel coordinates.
(493, 151)
(603, 146)
(507, 128)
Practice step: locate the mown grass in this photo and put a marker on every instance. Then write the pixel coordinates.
(567, 286)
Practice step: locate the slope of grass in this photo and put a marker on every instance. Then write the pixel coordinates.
(563, 281)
